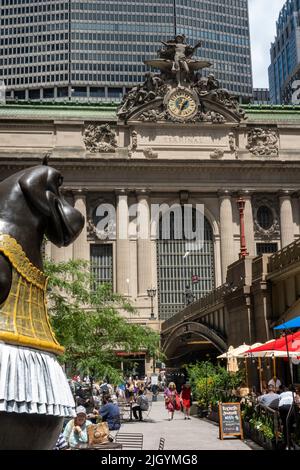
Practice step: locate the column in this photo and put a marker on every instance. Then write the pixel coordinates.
(144, 260)
(249, 223)
(286, 218)
(81, 247)
(226, 228)
(60, 255)
(122, 245)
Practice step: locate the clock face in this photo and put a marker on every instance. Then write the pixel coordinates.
(182, 105)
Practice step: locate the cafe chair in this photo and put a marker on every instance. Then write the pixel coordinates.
(130, 440)
(161, 445)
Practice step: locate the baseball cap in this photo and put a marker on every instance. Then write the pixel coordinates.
(80, 410)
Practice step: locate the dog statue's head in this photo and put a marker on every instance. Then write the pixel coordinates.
(41, 188)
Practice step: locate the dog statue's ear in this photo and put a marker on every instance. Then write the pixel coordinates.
(34, 187)
(46, 159)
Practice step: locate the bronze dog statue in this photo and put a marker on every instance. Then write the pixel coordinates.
(34, 393)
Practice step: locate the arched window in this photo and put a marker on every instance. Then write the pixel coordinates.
(185, 272)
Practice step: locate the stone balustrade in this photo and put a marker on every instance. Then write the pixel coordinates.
(284, 258)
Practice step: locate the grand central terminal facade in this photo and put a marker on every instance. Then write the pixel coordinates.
(176, 139)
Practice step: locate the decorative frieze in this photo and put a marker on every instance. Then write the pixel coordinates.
(100, 138)
(149, 153)
(263, 142)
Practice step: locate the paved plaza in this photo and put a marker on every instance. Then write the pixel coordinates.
(179, 434)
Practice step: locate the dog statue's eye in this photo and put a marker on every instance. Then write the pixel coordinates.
(60, 181)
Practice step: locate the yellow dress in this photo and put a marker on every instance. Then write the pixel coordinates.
(23, 315)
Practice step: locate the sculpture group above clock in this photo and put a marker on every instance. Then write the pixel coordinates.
(179, 92)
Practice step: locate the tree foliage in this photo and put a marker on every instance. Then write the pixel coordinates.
(87, 320)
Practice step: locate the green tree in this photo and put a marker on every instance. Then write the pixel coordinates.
(88, 323)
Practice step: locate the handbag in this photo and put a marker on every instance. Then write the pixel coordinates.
(177, 403)
(98, 433)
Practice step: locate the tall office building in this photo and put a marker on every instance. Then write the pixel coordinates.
(95, 49)
(285, 54)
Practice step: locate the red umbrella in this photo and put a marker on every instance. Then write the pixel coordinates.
(290, 343)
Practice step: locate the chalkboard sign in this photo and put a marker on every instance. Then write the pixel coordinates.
(230, 420)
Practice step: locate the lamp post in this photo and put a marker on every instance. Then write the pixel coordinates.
(241, 206)
(151, 293)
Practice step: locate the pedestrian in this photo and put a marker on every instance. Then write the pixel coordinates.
(172, 400)
(141, 404)
(275, 382)
(185, 397)
(110, 412)
(286, 400)
(75, 432)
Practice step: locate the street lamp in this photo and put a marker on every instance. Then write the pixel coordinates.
(241, 207)
(151, 293)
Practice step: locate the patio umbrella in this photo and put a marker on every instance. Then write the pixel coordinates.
(294, 323)
(234, 352)
(281, 347)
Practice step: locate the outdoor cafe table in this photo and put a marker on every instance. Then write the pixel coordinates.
(104, 446)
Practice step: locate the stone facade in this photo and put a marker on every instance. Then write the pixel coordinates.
(160, 162)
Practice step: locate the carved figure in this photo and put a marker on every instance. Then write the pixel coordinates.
(263, 142)
(178, 51)
(100, 138)
(35, 396)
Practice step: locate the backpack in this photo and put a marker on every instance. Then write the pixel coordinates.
(144, 403)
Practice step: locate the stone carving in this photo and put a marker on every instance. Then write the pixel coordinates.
(148, 152)
(273, 231)
(108, 233)
(217, 154)
(178, 93)
(100, 138)
(134, 143)
(232, 144)
(263, 142)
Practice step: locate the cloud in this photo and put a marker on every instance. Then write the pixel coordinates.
(263, 16)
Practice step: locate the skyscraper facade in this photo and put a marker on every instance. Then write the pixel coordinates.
(285, 54)
(95, 49)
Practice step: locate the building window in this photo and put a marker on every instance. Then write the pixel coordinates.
(265, 217)
(266, 248)
(102, 263)
(180, 267)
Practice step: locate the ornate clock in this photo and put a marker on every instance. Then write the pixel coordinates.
(182, 104)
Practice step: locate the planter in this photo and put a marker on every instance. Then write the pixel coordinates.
(202, 412)
(213, 415)
(258, 437)
(269, 444)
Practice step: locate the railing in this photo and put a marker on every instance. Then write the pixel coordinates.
(285, 257)
(213, 298)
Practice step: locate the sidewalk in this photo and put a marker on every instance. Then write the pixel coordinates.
(180, 434)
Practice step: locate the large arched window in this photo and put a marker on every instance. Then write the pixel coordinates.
(183, 271)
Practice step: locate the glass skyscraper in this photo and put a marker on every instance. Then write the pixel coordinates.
(95, 49)
(285, 54)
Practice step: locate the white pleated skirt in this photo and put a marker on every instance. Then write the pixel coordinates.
(32, 381)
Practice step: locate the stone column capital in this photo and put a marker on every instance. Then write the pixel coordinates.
(245, 193)
(142, 193)
(81, 192)
(225, 193)
(285, 193)
(121, 192)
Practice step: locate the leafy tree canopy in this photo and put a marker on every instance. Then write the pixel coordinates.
(89, 323)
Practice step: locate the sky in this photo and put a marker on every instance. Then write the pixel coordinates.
(263, 16)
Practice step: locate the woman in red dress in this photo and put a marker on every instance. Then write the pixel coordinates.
(185, 396)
